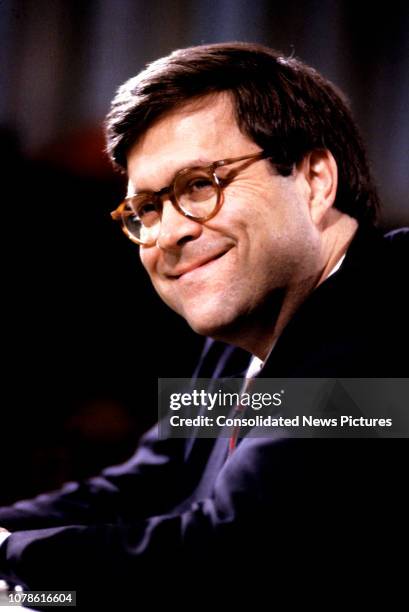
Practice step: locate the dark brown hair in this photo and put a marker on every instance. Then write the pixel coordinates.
(282, 104)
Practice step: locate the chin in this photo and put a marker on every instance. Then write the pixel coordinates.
(208, 323)
(205, 329)
(221, 323)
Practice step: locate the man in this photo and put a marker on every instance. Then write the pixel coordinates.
(253, 207)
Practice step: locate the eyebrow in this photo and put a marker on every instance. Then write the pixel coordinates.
(200, 161)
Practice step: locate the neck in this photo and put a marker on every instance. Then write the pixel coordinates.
(336, 237)
(257, 332)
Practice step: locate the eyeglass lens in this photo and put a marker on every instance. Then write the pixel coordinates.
(196, 192)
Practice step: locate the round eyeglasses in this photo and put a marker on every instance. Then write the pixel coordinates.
(195, 192)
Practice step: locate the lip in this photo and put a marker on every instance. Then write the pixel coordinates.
(178, 274)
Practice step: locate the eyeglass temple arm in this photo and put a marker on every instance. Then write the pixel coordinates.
(231, 160)
(116, 214)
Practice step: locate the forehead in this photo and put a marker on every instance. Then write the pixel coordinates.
(199, 132)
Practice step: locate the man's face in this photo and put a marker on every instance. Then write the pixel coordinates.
(223, 273)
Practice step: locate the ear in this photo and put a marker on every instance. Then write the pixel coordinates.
(321, 175)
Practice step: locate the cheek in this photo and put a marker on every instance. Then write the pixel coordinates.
(148, 259)
(242, 215)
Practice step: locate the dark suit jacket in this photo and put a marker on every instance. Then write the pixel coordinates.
(179, 515)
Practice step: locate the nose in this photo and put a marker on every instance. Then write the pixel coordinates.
(176, 229)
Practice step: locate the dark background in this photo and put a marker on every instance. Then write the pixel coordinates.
(84, 337)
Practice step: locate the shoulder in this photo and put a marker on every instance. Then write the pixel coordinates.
(396, 244)
(375, 257)
(355, 323)
(371, 240)
(398, 236)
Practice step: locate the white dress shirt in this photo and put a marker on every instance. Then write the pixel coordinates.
(3, 536)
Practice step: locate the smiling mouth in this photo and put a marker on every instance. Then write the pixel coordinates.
(202, 265)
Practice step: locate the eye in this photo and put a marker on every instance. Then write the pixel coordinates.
(198, 184)
(146, 208)
(199, 188)
(142, 210)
